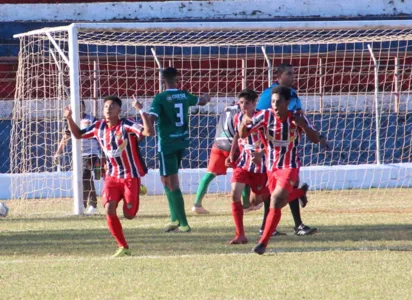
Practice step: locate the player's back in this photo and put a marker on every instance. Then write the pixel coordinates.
(172, 110)
(225, 130)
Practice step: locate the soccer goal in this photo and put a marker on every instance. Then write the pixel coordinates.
(353, 78)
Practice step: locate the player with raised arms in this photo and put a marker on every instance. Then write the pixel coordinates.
(282, 134)
(286, 76)
(118, 139)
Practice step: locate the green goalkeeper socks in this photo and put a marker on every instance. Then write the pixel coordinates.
(202, 189)
(179, 206)
(173, 215)
(246, 197)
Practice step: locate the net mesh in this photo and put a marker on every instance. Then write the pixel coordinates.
(334, 79)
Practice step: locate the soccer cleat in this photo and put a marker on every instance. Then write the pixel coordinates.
(259, 249)
(92, 211)
(302, 229)
(239, 240)
(199, 210)
(276, 233)
(122, 252)
(172, 226)
(183, 229)
(304, 199)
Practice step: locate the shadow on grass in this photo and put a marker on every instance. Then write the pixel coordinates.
(75, 219)
(152, 241)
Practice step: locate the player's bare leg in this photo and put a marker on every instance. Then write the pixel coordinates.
(237, 212)
(116, 229)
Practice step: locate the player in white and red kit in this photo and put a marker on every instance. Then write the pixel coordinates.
(282, 133)
(118, 139)
(246, 171)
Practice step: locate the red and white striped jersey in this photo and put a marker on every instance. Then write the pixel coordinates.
(281, 139)
(120, 145)
(253, 143)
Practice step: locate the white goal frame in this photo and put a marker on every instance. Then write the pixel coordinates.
(73, 58)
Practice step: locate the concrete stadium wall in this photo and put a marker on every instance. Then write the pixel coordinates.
(48, 185)
(201, 10)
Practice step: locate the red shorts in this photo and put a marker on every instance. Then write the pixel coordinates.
(217, 161)
(285, 178)
(116, 189)
(256, 181)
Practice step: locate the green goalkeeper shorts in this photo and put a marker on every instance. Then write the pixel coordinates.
(170, 161)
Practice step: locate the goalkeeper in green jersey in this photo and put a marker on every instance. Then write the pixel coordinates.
(170, 109)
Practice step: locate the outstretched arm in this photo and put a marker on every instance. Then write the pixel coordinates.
(62, 144)
(322, 140)
(74, 129)
(147, 124)
(311, 133)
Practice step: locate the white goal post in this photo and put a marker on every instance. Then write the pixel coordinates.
(352, 72)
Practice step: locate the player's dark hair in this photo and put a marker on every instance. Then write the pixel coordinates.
(282, 91)
(82, 102)
(170, 73)
(114, 99)
(248, 94)
(282, 68)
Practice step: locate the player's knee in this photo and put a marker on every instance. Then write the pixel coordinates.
(235, 195)
(164, 181)
(256, 199)
(172, 182)
(128, 216)
(110, 207)
(279, 201)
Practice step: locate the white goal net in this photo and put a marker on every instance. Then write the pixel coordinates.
(353, 79)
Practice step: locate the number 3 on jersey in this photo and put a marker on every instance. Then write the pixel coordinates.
(179, 114)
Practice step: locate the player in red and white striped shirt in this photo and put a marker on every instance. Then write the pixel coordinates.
(246, 170)
(282, 131)
(118, 139)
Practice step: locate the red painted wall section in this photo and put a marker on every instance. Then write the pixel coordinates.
(218, 76)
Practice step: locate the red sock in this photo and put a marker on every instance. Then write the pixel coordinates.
(295, 194)
(272, 222)
(116, 229)
(237, 212)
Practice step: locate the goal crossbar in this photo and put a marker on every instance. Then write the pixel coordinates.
(225, 26)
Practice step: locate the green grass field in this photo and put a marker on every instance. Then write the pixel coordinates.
(362, 251)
